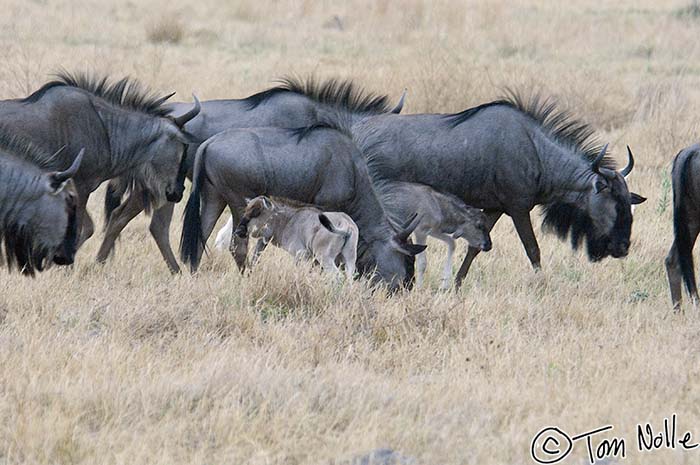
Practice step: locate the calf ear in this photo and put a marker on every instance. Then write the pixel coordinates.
(636, 199)
(326, 222)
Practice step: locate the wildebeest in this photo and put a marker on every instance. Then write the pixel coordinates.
(37, 209)
(124, 129)
(317, 165)
(686, 224)
(304, 231)
(508, 156)
(442, 216)
(292, 104)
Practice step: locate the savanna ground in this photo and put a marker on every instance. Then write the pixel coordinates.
(124, 363)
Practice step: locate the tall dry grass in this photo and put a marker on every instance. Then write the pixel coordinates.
(123, 363)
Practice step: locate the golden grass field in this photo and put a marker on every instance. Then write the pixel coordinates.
(125, 364)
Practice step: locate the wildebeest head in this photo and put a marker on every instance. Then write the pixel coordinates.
(52, 217)
(603, 217)
(473, 228)
(167, 150)
(395, 258)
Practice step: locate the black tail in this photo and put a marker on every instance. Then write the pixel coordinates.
(113, 199)
(192, 237)
(681, 177)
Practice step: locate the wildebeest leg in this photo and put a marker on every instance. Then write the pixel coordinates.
(673, 268)
(421, 259)
(160, 230)
(673, 271)
(472, 252)
(212, 207)
(85, 224)
(118, 220)
(447, 267)
(523, 226)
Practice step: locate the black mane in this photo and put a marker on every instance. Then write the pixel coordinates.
(339, 93)
(126, 92)
(559, 124)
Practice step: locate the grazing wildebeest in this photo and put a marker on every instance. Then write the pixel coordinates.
(125, 131)
(317, 165)
(292, 104)
(306, 232)
(507, 157)
(37, 209)
(686, 224)
(442, 216)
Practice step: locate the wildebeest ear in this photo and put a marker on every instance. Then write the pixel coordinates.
(267, 203)
(599, 184)
(188, 138)
(411, 249)
(636, 199)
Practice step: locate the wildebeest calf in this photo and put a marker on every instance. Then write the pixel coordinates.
(302, 230)
(442, 216)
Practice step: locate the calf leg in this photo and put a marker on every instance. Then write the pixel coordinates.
(447, 267)
(118, 220)
(349, 255)
(527, 236)
(160, 230)
(472, 252)
(421, 259)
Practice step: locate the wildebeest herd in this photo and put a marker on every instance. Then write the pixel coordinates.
(325, 170)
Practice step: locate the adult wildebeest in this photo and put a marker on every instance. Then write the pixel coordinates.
(317, 165)
(303, 230)
(292, 104)
(507, 157)
(37, 209)
(442, 216)
(686, 224)
(125, 131)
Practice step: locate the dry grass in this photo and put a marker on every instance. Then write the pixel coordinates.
(168, 29)
(125, 364)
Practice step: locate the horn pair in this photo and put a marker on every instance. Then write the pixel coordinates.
(595, 165)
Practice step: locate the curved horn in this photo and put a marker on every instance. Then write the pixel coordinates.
(630, 163)
(62, 176)
(180, 121)
(595, 165)
(402, 235)
(399, 106)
